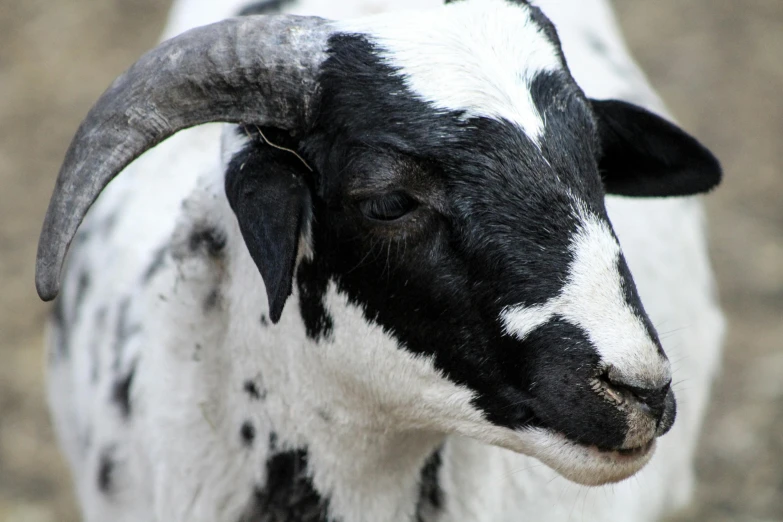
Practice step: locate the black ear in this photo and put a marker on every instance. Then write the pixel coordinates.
(267, 191)
(644, 155)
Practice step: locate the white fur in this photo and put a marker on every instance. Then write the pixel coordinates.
(181, 457)
(459, 60)
(592, 298)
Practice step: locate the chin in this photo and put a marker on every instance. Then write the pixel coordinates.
(584, 464)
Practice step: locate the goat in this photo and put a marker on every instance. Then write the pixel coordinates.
(386, 287)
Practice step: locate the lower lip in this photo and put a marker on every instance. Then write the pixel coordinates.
(626, 454)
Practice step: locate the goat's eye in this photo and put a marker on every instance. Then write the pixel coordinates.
(388, 207)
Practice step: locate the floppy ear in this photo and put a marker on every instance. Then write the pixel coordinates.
(645, 155)
(267, 191)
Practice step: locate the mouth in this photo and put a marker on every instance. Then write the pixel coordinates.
(584, 464)
(634, 453)
(624, 454)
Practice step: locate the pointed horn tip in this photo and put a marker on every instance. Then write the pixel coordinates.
(47, 278)
(47, 287)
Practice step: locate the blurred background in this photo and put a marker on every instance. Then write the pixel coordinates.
(717, 63)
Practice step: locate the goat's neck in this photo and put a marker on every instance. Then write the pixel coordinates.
(363, 469)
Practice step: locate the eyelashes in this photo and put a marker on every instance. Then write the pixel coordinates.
(388, 207)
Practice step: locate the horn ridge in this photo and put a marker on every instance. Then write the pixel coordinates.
(257, 69)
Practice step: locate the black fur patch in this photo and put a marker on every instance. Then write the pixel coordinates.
(207, 239)
(264, 321)
(265, 7)
(106, 469)
(120, 393)
(248, 433)
(288, 495)
(312, 291)
(430, 493)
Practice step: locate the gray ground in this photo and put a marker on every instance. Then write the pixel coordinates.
(718, 63)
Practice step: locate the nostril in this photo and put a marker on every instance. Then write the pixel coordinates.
(651, 399)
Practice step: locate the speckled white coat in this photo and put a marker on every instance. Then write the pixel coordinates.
(181, 459)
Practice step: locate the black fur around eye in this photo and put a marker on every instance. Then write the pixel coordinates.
(388, 207)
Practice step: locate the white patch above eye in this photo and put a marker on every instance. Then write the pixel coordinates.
(476, 57)
(593, 299)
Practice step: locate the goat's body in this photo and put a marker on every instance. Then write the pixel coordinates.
(175, 400)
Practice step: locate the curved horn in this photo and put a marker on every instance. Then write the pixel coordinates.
(243, 70)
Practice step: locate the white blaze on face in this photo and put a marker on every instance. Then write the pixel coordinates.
(476, 57)
(593, 299)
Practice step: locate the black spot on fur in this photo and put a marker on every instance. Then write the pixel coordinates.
(264, 320)
(124, 331)
(324, 415)
(120, 393)
(288, 495)
(430, 492)
(157, 263)
(98, 339)
(265, 7)
(82, 286)
(208, 239)
(106, 469)
(272, 442)
(312, 292)
(253, 391)
(248, 433)
(212, 300)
